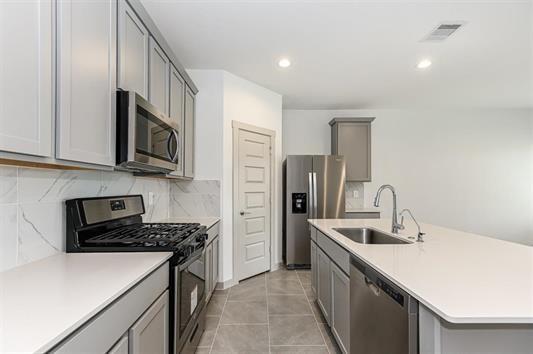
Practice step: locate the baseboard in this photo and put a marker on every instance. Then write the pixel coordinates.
(276, 266)
(225, 284)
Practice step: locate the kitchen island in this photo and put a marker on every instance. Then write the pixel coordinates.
(473, 290)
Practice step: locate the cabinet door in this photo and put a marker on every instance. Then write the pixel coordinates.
(26, 99)
(121, 347)
(324, 284)
(208, 269)
(150, 333)
(340, 307)
(313, 267)
(177, 112)
(214, 277)
(189, 133)
(159, 77)
(86, 80)
(353, 142)
(133, 51)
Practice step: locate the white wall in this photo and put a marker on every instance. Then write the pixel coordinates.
(465, 169)
(245, 102)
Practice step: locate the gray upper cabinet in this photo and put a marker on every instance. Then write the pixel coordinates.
(86, 55)
(340, 307)
(26, 91)
(351, 137)
(188, 159)
(150, 334)
(177, 112)
(133, 51)
(159, 77)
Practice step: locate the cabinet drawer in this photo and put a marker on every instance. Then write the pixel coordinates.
(334, 251)
(313, 233)
(101, 332)
(212, 233)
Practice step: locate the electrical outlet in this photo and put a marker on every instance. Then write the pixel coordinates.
(150, 198)
(355, 194)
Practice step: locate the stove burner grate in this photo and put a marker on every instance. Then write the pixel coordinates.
(147, 233)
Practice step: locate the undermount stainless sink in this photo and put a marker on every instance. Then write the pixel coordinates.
(369, 236)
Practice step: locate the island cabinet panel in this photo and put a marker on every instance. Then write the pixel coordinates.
(86, 68)
(314, 268)
(214, 265)
(133, 51)
(324, 284)
(340, 307)
(439, 336)
(122, 346)
(26, 84)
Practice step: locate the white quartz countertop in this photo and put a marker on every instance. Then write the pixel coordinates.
(462, 277)
(207, 221)
(42, 302)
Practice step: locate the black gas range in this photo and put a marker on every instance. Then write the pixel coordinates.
(114, 224)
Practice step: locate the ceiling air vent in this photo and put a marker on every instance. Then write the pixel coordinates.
(443, 31)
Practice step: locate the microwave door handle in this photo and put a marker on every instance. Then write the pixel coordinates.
(172, 154)
(176, 153)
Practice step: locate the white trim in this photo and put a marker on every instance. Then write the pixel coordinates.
(238, 126)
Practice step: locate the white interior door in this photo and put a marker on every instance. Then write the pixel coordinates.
(253, 204)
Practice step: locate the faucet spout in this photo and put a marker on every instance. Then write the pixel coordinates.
(395, 225)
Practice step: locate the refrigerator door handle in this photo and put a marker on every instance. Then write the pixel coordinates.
(315, 201)
(310, 212)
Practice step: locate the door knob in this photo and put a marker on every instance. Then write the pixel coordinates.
(242, 212)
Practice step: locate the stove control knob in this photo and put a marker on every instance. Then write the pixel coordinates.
(201, 238)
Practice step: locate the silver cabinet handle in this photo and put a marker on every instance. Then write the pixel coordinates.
(242, 212)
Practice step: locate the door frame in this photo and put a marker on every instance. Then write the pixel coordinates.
(237, 127)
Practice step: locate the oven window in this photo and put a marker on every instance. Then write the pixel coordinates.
(153, 137)
(191, 291)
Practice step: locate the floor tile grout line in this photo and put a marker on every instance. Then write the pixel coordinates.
(219, 321)
(314, 316)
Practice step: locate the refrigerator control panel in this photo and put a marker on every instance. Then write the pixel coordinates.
(299, 203)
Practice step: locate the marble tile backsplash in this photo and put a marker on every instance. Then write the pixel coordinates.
(355, 192)
(32, 213)
(194, 198)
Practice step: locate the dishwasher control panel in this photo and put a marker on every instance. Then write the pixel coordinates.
(393, 293)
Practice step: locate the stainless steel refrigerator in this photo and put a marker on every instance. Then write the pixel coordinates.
(313, 188)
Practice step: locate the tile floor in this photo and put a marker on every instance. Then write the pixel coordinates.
(270, 313)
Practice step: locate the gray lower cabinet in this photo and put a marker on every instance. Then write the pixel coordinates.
(323, 264)
(331, 285)
(313, 267)
(137, 322)
(211, 261)
(122, 346)
(150, 333)
(340, 307)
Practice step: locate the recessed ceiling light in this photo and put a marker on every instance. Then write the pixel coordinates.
(284, 63)
(424, 64)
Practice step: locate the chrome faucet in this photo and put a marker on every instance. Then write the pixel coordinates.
(419, 237)
(395, 225)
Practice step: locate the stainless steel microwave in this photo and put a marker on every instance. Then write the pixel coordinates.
(147, 139)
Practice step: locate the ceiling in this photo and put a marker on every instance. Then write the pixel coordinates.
(360, 54)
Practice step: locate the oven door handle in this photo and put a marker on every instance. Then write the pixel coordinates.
(196, 255)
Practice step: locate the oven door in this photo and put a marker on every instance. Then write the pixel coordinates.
(190, 295)
(153, 139)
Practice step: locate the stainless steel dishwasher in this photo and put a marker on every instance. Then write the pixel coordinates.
(383, 317)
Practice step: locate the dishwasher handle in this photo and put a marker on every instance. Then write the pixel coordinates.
(375, 289)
